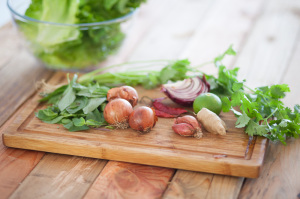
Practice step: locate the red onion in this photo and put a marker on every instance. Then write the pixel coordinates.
(185, 92)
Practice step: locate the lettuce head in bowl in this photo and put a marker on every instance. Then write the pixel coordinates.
(73, 34)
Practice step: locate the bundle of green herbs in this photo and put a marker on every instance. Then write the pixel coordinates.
(75, 106)
(79, 105)
(60, 44)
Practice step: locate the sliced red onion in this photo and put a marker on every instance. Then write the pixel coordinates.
(185, 92)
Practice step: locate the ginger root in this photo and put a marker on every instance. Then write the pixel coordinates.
(211, 122)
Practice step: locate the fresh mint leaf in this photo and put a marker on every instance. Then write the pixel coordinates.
(67, 99)
(102, 106)
(57, 93)
(68, 125)
(78, 121)
(54, 121)
(96, 116)
(94, 123)
(78, 128)
(93, 104)
(71, 127)
(77, 105)
(47, 114)
(65, 121)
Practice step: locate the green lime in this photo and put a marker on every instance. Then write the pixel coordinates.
(208, 100)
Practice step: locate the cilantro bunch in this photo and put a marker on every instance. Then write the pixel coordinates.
(261, 110)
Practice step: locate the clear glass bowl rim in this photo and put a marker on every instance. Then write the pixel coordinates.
(116, 20)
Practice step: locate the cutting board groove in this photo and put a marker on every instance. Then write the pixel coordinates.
(234, 154)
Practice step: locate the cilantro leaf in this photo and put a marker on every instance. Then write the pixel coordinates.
(253, 128)
(242, 121)
(226, 104)
(174, 72)
(278, 91)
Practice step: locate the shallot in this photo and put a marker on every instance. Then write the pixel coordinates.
(187, 126)
(125, 92)
(117, 111)
(142, 119)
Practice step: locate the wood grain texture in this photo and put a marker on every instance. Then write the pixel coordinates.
(10, 44)
(123, 180)
(227, 23)
(280, 175)
(60, 177)
(18, 79)
(19, 72)
(161, 147)
(189, 184)
(276, 32)
(15, 164)
(168, 38)
(224, 187)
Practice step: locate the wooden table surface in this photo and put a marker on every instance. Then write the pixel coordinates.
(266, 35)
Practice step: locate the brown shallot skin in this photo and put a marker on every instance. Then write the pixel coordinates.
(187, 126)
(142, 119)
(125, 92)
(117, 111)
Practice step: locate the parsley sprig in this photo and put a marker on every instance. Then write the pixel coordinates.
(261, 110)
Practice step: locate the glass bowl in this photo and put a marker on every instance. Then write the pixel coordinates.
(72, 47)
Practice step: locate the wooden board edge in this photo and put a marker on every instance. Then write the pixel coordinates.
(259, 151)
(224, 166)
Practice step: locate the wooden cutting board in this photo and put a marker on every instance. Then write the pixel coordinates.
(234, 154)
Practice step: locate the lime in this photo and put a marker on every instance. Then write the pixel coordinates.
(208, 100)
